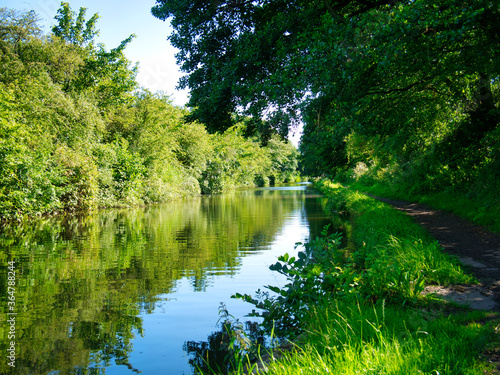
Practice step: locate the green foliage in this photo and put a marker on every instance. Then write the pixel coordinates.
(193, 148)
(107, 75)
(317, 273)
(128, 173)
(228, 351)
(353, 338)
(408, 89)
(76, 135)
(79, 179)
(234, 53)
(27, 174)
(357, 307)
(17, 27)
(237, 161)
(284, 160)
(75, 31)
(233, 162)
(388, 257)
(464, 183)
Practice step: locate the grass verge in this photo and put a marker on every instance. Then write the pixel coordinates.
(361, 311)
(481, 210)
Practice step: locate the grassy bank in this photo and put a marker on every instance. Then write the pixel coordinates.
(482, 209)
(360, 310)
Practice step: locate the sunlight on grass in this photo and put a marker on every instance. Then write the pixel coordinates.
(360, 309)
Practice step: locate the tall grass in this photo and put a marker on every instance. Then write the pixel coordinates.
(359, 338)
(398, 256)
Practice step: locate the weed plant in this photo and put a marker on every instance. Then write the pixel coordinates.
(232, 349)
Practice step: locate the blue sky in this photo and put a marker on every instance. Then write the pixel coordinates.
(118, 19)
(158, 70)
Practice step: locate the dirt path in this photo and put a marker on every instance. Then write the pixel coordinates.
(476, 247)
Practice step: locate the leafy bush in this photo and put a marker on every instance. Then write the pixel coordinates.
(229, 350)
(79, 184)
(320, 271)
(75, 135)
(28, 176)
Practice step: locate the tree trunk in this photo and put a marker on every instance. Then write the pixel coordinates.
(484, 117)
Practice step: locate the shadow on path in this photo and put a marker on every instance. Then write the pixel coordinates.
(476, 247)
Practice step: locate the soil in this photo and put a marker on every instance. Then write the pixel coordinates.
(477, 248)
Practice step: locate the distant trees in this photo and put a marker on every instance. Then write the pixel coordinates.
(77, 133)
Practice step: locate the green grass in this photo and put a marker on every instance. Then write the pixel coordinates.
(382, 324)
(480, 209)
(359, 338)
(387, 243)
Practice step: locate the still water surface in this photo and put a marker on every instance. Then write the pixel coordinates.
(123, 290)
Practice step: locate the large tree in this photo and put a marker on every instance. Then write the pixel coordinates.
(233, 52)
(381, 68)
(107, 73)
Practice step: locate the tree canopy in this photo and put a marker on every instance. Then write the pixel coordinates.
(384, 67)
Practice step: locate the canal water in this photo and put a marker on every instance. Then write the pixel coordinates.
(122, 291)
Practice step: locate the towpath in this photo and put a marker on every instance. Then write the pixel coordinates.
(476, 247)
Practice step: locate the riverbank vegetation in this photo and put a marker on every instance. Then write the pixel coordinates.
(399, 98)
(356, 306)
(77, 133)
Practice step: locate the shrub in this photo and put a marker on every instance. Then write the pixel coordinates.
(79, 185)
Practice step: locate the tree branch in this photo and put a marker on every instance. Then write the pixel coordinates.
(385, 92)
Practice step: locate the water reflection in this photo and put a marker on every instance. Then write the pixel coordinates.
(217, 355)
(122, 290)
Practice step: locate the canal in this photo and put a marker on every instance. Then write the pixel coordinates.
(122, 291)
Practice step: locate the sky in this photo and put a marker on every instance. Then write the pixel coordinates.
(118, 19)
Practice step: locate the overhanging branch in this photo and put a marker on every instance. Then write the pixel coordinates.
(400, 89)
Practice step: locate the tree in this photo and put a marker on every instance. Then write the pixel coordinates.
(17, 27)
(107, 73)
(389, 69)
(233, 51)
(75, 31)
